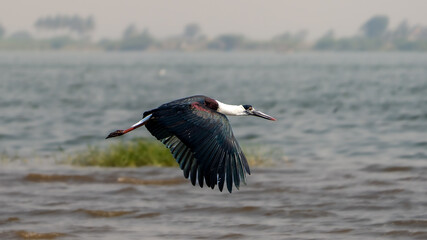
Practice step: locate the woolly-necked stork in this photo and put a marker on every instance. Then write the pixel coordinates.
(199, 136)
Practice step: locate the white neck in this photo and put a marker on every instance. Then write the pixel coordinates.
(233, 110)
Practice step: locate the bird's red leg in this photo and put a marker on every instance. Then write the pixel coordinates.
(121, 132)
(135, 126)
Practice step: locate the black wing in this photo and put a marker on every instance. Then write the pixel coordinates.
(202, 142)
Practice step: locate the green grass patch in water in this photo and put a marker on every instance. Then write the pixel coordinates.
(135, 153)
(143, 152)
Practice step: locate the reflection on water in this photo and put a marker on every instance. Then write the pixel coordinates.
(352, 128)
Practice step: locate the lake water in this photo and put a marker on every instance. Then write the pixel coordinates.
(349, 146)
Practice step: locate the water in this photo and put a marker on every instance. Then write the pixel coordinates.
(350, 146)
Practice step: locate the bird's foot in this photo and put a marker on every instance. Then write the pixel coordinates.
(115, 134)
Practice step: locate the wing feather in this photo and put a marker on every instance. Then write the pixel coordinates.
(229, 173)
(236, 176)
(221, 174)
(193, 172)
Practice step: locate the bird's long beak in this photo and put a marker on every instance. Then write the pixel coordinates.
(262, 115)
(117, 133)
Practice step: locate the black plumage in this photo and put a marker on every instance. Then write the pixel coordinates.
(201, 140)
(199, 136)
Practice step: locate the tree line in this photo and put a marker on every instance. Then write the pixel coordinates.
(74, 24)
(74, 31)
(375, 34)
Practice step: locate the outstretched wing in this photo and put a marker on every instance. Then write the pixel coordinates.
(202, 142)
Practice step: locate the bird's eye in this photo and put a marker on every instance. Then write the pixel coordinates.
(248, 107)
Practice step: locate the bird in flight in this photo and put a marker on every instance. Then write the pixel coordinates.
(198, 134)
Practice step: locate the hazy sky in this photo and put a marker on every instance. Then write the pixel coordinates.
(259, 19)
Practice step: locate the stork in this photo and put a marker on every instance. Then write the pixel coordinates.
(198, 134)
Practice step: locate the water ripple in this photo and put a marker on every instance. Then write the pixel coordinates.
(36, 177)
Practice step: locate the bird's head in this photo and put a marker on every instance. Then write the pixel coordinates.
(241, 110)
(249, 110)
